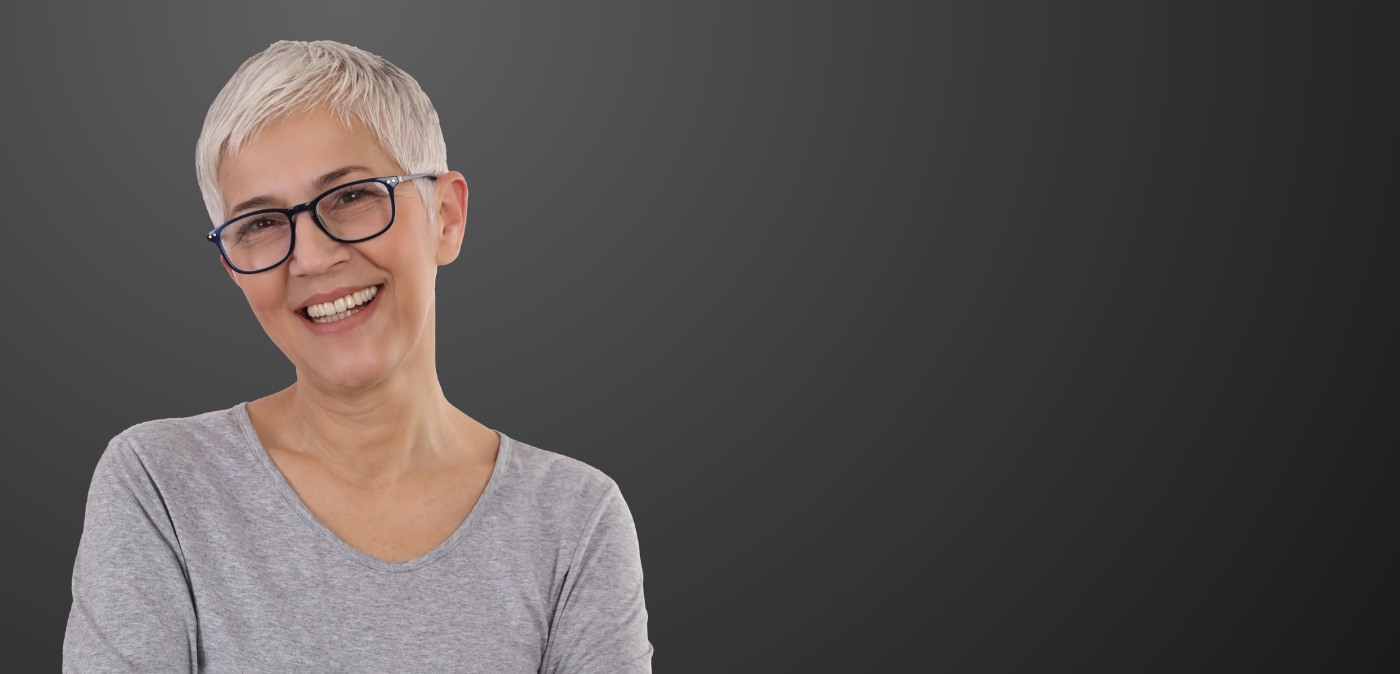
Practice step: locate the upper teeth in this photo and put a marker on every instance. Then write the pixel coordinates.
(354, 299)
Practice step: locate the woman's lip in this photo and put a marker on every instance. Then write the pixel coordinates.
(331, 295)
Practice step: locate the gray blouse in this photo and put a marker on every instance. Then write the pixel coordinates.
(198, 556)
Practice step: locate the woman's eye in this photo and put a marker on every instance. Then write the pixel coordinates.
(350, 196)
(257, 225)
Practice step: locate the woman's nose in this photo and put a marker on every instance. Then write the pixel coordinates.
(314, 252)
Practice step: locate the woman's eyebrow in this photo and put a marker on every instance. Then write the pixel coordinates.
(255, 202)
(321, 183)
(331, 178)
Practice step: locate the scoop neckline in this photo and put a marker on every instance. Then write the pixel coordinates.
(293, 499)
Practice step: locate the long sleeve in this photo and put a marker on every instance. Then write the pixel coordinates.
(132, 606)
(600, 622)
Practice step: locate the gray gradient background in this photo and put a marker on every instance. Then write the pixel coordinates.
(979, 337)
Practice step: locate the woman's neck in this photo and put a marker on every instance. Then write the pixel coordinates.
(372, 440)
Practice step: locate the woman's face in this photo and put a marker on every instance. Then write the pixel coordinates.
(292, 162)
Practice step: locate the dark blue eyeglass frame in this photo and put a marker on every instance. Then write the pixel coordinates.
(390, 182)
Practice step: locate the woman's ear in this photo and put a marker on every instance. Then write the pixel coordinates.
(232, 275)
(451, 215)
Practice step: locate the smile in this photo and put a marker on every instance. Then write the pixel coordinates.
(342, 308)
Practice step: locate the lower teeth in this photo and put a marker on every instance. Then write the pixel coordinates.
(342, 315)
(337, 317)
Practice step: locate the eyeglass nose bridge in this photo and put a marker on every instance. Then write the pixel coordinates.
(298, 209)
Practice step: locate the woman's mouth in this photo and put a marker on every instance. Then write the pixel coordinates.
(342, 308)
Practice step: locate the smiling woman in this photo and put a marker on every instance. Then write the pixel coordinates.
(354, 520)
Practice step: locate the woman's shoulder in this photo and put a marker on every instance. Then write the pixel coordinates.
(551, 477)
(554, 471)
(182, 443)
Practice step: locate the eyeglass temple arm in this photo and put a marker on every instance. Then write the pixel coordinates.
(395, 180)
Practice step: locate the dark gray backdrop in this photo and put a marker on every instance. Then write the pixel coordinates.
(977, 337)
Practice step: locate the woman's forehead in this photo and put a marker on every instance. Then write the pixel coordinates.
(297, 157)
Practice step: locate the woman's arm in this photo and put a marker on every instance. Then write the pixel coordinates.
(600, 622)
(132, 606)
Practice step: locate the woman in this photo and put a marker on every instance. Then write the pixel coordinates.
(355, 520)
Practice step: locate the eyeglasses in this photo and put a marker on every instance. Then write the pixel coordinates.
(350, 213)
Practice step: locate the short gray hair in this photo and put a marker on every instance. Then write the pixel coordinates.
(292, 77)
